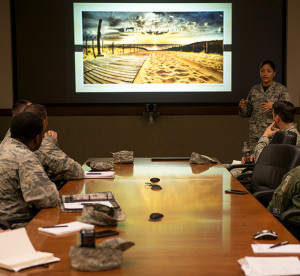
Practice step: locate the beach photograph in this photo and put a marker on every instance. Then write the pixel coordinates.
(152, 47)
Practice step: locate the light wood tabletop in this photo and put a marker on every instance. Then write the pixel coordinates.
(204, 230)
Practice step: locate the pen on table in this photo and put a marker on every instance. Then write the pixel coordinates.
(93, 173)
(279, 244)
(55, 226)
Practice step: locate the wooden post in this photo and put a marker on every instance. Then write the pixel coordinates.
(99, 38)
(93, 46)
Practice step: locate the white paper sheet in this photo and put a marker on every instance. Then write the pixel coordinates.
(102, 174)
(263, 266)
(265, 248)
(71, 227)
(80, 204)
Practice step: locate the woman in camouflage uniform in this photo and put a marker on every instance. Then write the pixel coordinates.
(258, 105)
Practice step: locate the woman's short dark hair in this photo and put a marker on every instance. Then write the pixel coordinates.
(26, 126)
(270, 62)
(285, 110)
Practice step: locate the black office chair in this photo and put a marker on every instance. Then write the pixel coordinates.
(284, 137)
(16, 222)
(273, 163)
(280, 137)
(291, 220)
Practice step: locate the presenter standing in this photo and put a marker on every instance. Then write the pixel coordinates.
(258, 105)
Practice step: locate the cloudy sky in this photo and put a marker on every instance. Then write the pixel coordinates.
(153, 27)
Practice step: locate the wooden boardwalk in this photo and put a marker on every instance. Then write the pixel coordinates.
(113, 69)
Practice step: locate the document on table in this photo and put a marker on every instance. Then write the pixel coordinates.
(265, 248)
(102, 174)
(79, 205)
(65, 228)
(17, 251)
(263, 266)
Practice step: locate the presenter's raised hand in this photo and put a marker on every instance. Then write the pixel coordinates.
(242, 104)
(267, 105)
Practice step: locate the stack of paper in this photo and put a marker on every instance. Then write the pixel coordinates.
(261, 266)
(17, 252)
(102, 174)
(65, 228)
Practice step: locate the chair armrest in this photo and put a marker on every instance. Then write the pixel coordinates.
(13, 220)
(263, 193)
(290, 213)
(248, 169)
(264, 197)
(240, 166)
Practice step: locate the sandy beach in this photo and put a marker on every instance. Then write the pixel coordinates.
(181, 67)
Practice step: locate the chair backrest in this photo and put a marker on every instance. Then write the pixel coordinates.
(273, 163)
(284, 137)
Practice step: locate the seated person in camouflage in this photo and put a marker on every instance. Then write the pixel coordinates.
(24, 185)
(56, 163)
(17, 108)
(287, 194)
(283, 120)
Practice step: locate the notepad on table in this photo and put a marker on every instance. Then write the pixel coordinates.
(265, 248)
(75, 202)
(102, 174)
(66, 228)
(17, 251)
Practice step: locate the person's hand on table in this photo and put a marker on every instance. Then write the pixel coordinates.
(251, 158)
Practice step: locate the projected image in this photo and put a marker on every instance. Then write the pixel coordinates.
(153, 47)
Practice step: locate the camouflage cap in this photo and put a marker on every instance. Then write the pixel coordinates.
(101, 215)
(105, 256)
(101, 166)
(197, 158)
(123, 157)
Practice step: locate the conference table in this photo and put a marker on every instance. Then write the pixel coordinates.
(204, 230)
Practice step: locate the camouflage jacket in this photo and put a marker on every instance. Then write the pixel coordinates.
(287, 195)
(24, 185)
(56, 163)
(6, 137)
(260, 120)
(264, 141)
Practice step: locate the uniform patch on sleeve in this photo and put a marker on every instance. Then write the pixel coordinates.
(287, 183)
